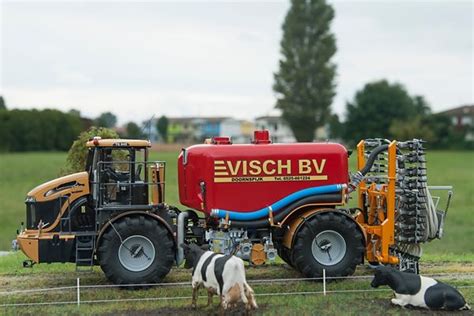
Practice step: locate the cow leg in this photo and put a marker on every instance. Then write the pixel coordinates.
(222, 306)
(210, 294)
(398, 302)
(195, 295)
(252, 304)
(224, 303)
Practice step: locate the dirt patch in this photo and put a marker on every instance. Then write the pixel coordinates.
(168, 311)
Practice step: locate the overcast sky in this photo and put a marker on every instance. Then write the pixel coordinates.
(137, 59)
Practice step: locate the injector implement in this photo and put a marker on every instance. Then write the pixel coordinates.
(256, 201)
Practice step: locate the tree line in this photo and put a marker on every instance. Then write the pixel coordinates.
(32, 130)
(54, 130)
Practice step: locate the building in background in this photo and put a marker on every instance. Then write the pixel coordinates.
(208, 127)
(279, 130)
(461, 116)
(240, 131)
(196, 129)
(192, 130)
(189, 130)
(181, 130)
(246, 131)
(462, 119)
(232, 127)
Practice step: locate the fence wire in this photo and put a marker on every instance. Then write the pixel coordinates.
(304, 293)
(463, 276)
(79, 287)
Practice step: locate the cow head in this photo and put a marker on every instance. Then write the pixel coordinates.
(192, 253)
(381, 276)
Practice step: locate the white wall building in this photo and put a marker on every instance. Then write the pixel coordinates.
(231, 127)
(280, 132)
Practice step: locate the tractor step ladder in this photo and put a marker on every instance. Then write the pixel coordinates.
(85, 245)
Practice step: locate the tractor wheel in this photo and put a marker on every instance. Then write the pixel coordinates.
(285, 255)
(328, 241)
(136, 250)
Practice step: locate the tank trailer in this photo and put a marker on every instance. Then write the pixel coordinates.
(257, 201)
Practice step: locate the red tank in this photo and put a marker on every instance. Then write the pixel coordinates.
(247, 177)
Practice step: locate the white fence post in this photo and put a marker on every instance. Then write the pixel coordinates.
(324, 282)
(78, 293)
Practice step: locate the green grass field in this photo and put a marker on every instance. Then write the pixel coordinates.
(21, 172)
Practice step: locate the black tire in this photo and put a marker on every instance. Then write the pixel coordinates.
(111, 255)
(285, 255)
(321, 225)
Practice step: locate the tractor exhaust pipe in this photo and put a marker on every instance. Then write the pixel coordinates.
(182, 223)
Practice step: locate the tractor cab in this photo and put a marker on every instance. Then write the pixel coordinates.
(66, 216)
(120, 174)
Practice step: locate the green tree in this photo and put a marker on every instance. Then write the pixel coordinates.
(3, 106)
(422, 108)
(336, 127)
(376, 106)
(77, 154)
(304, 83)
(162, 127)
(74, 112)
(107, 120)
(133, 130)
(448, 136)
(6, 137)
(31, 130)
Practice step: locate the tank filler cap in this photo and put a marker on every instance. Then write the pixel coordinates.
(261, 137)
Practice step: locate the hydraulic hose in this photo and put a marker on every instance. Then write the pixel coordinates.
(371, 159)
(279, 205)
(323, 198)
(359, 175)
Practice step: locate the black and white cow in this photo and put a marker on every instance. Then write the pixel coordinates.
(419, 291)
(219, 274)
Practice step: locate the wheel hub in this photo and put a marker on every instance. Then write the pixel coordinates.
(325, 245)
(136, 253)
(328, 247)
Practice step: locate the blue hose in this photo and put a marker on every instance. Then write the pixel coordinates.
(277, 206)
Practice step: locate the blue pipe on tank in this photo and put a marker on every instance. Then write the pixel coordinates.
(277, 206)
